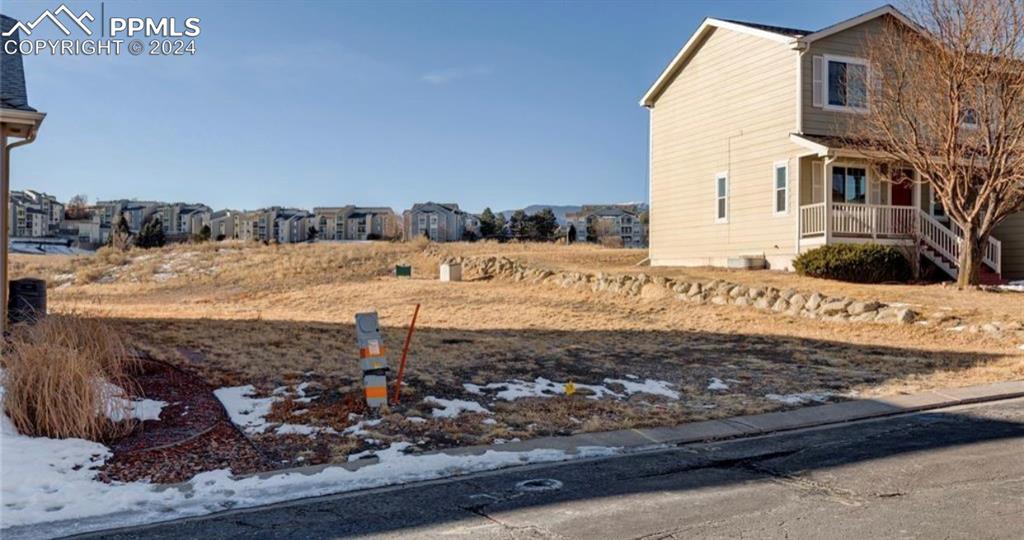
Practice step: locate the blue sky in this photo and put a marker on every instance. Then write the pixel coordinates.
(499, 104)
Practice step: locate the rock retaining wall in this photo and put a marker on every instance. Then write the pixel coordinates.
(811, 305)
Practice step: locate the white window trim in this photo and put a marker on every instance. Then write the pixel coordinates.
(867, 84)
(719, 176)
(775, 189)
(971, 125)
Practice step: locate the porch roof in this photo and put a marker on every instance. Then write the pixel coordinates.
(832, 145)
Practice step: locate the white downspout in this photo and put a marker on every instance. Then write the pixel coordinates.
(5, 195)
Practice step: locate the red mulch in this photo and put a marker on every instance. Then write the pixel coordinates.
(193, 434)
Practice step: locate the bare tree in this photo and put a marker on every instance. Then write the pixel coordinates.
(77, 207)
(946, 99)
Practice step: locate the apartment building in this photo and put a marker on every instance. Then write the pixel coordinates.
(441, 222)
(355, 223)
(34, 214)
(596, 223)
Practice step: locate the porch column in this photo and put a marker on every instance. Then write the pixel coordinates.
(5, 194)
(826, 190)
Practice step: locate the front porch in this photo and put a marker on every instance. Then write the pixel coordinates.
(862, 207)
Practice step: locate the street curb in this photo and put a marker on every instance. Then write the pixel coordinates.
(632, 440)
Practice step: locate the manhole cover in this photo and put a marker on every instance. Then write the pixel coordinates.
(539, 484)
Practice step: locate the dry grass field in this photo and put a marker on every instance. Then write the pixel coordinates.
(276, 316)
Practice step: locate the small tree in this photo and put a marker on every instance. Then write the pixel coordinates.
(152, 234)
(518, 224)
(312, 233)
(947, 98)
(487, 223)
(204, 234)
(543, 225)
(499, 225)
(121, 235)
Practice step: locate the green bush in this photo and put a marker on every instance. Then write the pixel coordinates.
(859, 263)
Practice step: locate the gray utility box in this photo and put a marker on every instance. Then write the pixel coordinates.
(26, 300)
(451, 271)
(372, 359)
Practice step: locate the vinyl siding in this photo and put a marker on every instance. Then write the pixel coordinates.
(729, 109)
(850, 42)
(1011, 233)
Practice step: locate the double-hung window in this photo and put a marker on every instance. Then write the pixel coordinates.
(841, 83)
(849, 184)
(721, 197)
(780, 187)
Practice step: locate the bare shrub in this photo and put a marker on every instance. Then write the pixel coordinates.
(56, 376)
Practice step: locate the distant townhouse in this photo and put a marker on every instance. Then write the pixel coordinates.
(34, 214)
(284, 225)
(594, 223)
(441, 222)
(355, 223)
(181, 220)
(222, 224)
(87, 231)
(136, 213)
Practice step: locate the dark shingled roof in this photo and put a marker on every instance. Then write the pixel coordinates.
(12, 74)
(791, 32)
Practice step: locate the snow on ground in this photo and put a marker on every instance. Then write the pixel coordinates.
(717, 384)
(48, 484)
(247, 412)
(649, 386)
(541, 387)
(1016, 286)
(450, 408)
(32, 248)
(801, 398)
(119, 407)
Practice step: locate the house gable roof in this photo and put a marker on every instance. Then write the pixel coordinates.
(12, 73)
(781, 34)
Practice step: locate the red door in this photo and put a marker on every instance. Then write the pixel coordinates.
(903, 193)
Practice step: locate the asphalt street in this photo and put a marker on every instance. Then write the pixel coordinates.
(953, 473)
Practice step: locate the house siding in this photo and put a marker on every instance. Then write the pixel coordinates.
(1011, 233)
(850, 42)
(730, 109)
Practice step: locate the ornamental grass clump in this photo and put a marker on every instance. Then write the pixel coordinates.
(65, 376)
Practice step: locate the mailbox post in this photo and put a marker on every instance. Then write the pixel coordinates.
(372, 359)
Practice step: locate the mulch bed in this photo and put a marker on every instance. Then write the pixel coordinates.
(193, 434)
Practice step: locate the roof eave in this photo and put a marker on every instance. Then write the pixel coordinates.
(861, 19)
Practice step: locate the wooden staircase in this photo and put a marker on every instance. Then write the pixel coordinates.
(941, 245)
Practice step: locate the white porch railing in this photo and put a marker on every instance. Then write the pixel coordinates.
(892, 222)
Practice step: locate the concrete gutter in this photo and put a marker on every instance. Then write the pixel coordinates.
(635, 440)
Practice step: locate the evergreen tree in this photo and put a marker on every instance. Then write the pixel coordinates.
(543, 225)
(487, 223)
(499, 225)
(518, 224)
(311, 233)
(205, 233)
(152, 234)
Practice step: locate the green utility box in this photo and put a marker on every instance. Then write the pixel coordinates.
(403, 271)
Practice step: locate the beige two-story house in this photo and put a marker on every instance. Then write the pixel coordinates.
(746, 157)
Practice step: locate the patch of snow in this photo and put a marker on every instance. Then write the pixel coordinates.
(303, 429)
(247, 412)
(117, 406)
(489, 421)
(649, 386)
(49, 489)
(450, 408)
(359, 428)
(958, 328)
(1014, 286)
(801, 398)
(541, 387)
(632, 376)
(1021, 347)
(717, 384)
(416, 419)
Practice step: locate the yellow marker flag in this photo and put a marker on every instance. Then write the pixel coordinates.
(570, 388)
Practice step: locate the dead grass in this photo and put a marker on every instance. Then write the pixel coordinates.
(56, 374)
(276, 315)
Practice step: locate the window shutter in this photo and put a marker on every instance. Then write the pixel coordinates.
(818, 81)
(874, 191)
(817, 183)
